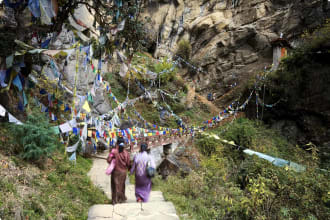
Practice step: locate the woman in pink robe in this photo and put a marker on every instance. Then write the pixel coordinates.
(142, 181)
(118, 175)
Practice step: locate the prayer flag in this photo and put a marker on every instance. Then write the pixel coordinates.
(73, 157)
(2, 111)
(56, 129)
(86, 107)
(73, 148)
(65, 127)
(17, 82)
(12, 119)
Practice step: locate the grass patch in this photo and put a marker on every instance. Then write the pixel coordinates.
(62, 191)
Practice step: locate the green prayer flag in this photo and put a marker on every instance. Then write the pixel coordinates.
(9, 61)
(56, 129)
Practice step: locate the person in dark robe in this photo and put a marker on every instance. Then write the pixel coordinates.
(118, 176)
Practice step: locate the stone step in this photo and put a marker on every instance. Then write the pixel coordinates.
(133, 211)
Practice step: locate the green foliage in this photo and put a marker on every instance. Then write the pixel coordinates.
(207, 145)
(317, 38)
(184, 49)
(231, 185)
(296, 76)
(241, 132)
(178, 107)
(166, 71)
(36, 138)
(64, 191)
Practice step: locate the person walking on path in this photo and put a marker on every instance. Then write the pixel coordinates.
(142, 181)
(118, 176)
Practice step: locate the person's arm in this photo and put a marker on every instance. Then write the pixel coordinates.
(133, 166)
(152, 162)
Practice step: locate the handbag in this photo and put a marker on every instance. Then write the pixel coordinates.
(111, 167)
(112, 163)
(150, 170)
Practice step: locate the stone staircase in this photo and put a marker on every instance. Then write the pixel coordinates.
(156, 208)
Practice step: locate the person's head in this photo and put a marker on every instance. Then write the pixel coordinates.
(144, 147)
(120, 144)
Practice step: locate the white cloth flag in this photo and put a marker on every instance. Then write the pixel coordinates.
(2, 111)
(73, 123)
(73, 148)
(12, 119)
(123, 70)
(121, 26)
(115, 120)
(65, 127)
(84, 137)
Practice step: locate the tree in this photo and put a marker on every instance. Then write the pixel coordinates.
(108, 13)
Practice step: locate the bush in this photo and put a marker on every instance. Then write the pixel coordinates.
(241, 132)
(166, 68)
(35, 137)
(207, 145)
(184, 49)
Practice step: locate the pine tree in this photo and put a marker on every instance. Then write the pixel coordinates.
(36, 138)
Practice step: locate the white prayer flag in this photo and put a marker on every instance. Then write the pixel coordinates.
(2, 111)
(65, 127)
(12, 119)
(123, 70)
(73, 148)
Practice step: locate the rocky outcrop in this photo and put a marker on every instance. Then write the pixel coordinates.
(229, 42)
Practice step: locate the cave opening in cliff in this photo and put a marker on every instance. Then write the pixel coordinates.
(152, 48)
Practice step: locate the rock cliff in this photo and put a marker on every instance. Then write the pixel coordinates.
(230, 38)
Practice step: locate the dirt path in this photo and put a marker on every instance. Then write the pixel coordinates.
(191, 96)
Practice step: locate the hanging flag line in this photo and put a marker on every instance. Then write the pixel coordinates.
(11, 118)
(274, 160)
(66, 127)
(261, 103)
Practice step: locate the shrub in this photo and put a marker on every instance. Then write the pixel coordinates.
(241, 132)
(184, 49)
(207, 145)
(166, 68)
(36, 138)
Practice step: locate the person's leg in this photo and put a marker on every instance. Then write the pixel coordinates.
(113, 189)
(120, 187)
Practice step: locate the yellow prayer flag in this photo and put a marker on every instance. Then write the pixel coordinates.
(86, 107)
(89, 133)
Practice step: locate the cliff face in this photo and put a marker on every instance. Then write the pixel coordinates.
(230, 42)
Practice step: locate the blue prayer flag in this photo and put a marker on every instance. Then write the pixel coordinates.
(73, 157)
(45, 44)
(34, 7)
(17, 82)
